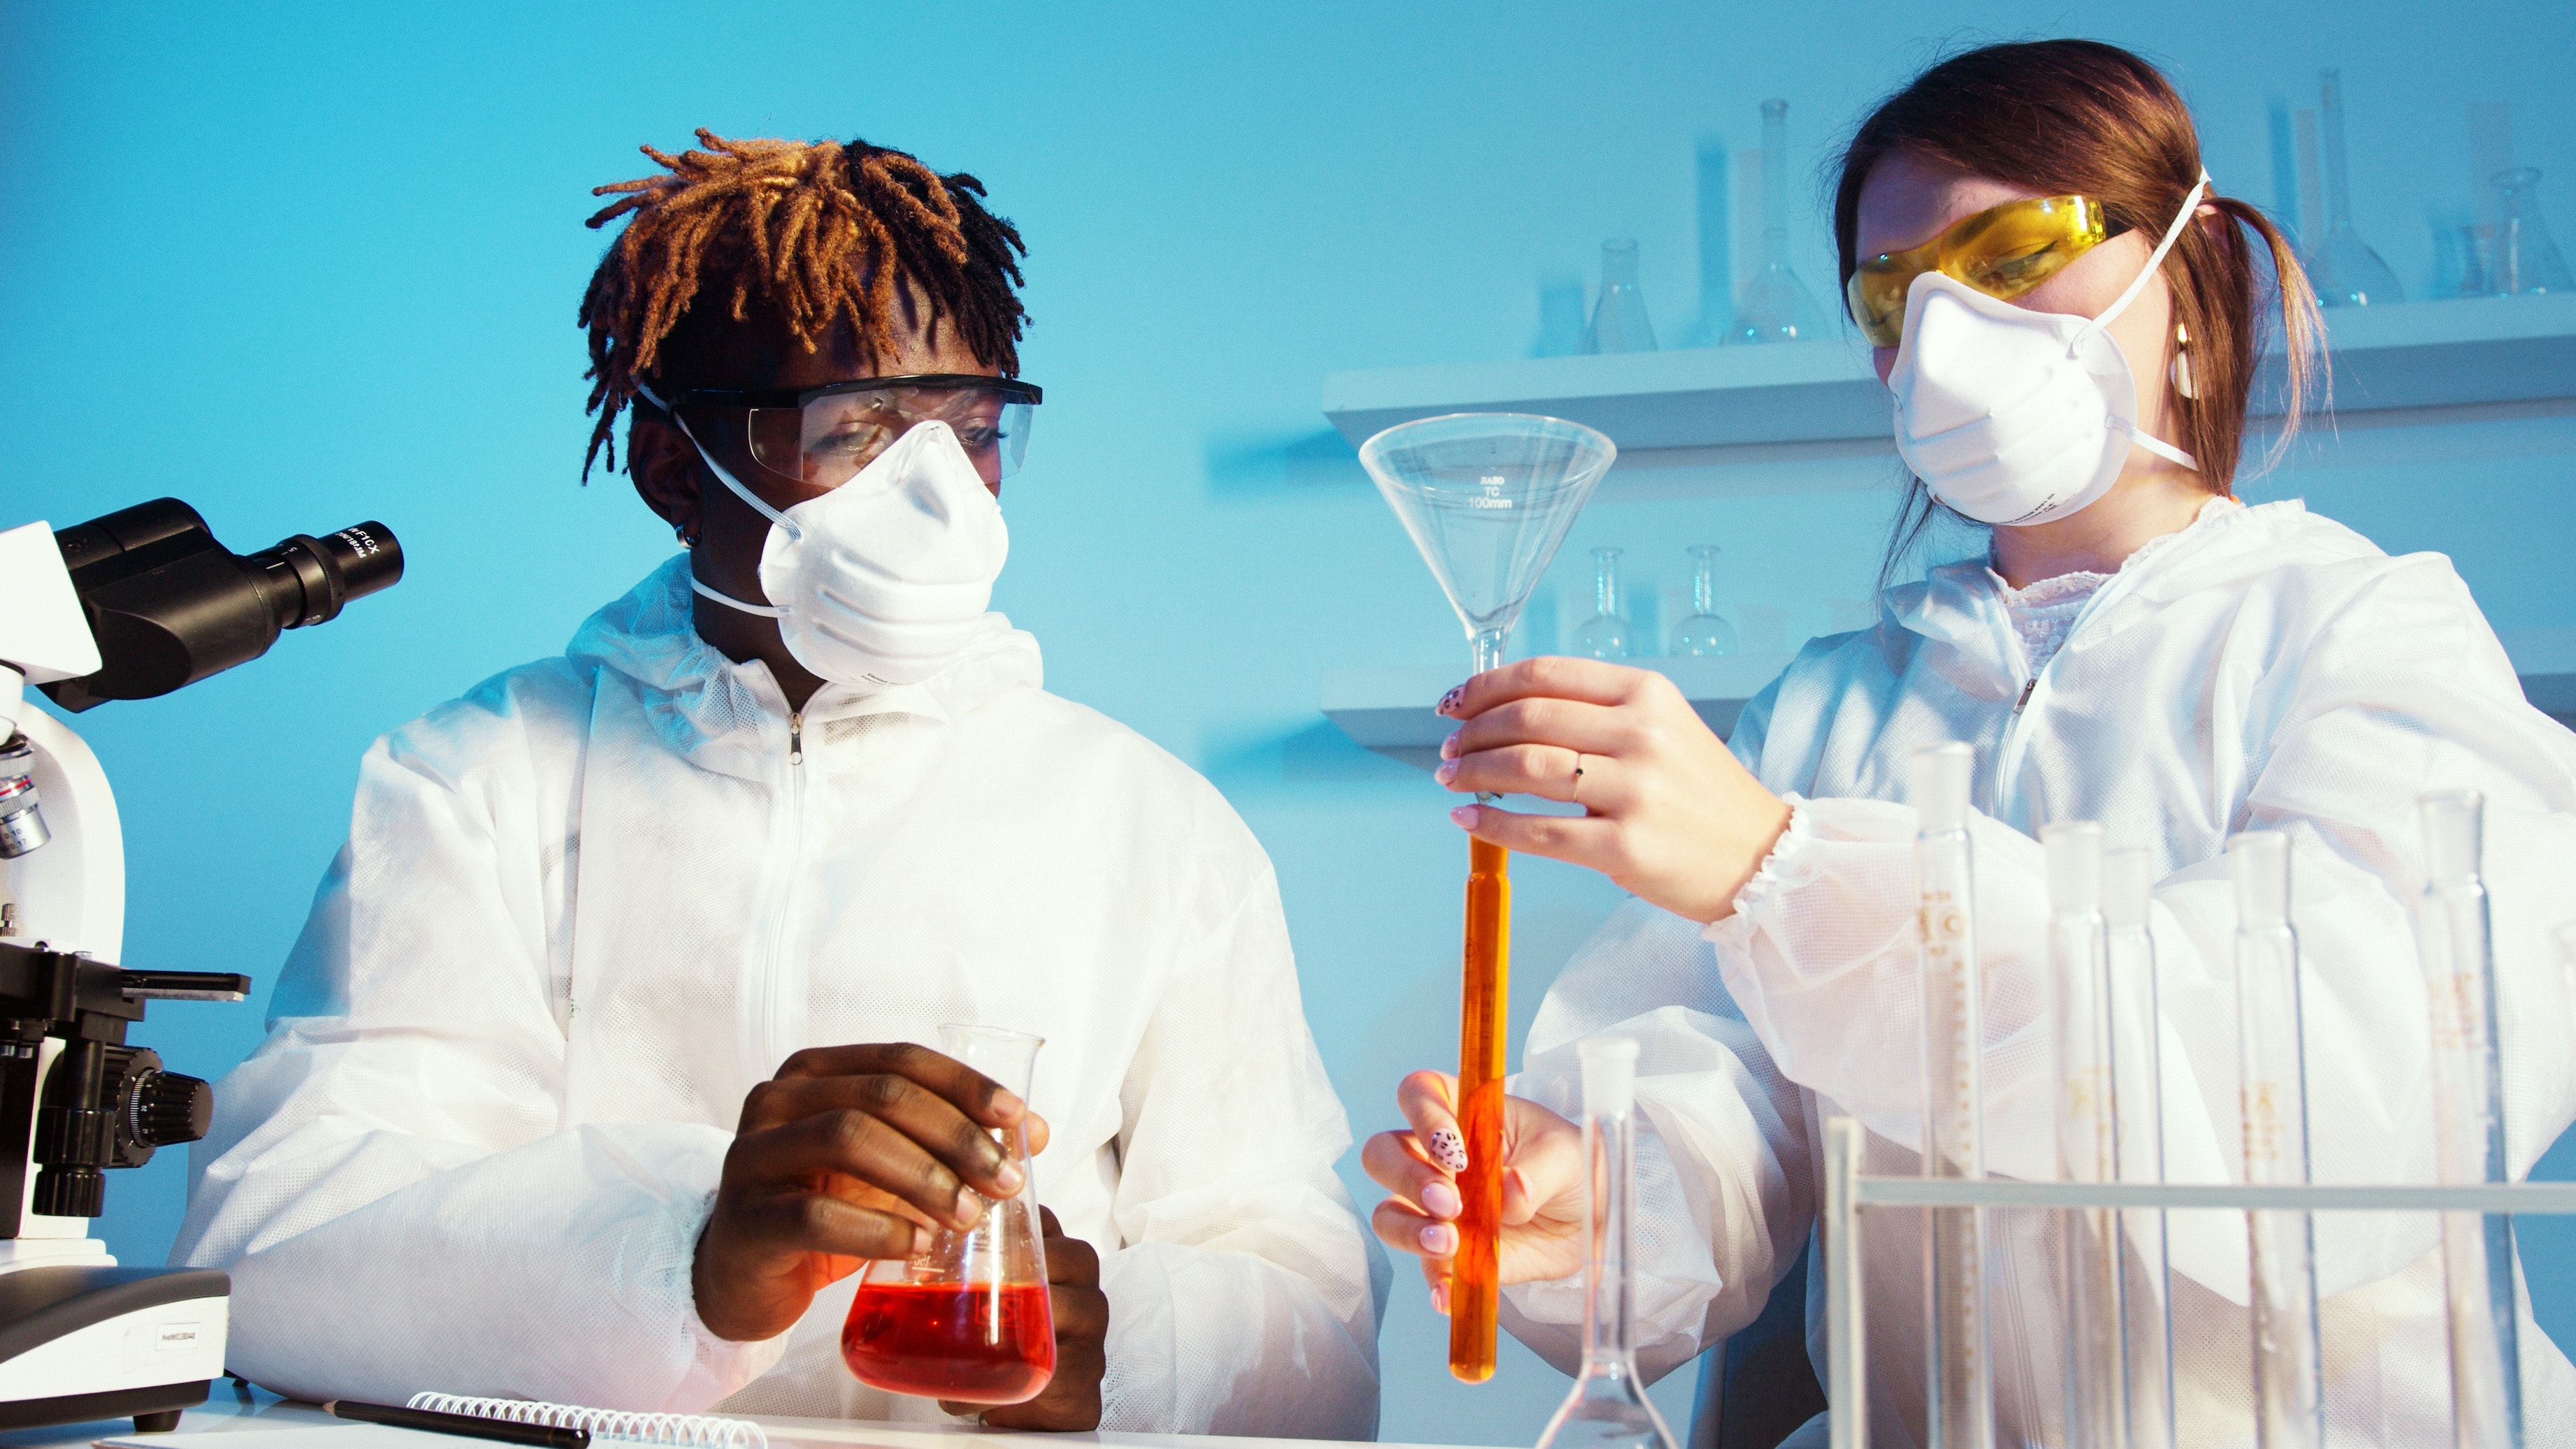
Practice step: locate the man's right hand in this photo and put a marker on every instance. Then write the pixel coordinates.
(848, 1154)
(1542, 1217)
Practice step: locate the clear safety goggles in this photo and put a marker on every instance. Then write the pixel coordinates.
(2002, 251)
(825, 435)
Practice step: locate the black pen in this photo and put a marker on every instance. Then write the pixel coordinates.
(539, 1436)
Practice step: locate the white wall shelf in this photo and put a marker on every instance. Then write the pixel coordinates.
(1389, 710)
(2415, 355)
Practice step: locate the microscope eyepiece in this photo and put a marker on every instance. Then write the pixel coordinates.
(169, 605)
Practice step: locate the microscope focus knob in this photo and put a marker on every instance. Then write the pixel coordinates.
(168, 1109)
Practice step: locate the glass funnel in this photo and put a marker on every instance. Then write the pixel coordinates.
(1776, 306)
(1605, 634)
(2527, 262)
(967, 1321)
(1487, 497)
(1705, 632)
(1619, 322)
(2341, 266)
(1608, 1404)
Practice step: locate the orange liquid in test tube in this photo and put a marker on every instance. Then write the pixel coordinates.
(1484, 1011)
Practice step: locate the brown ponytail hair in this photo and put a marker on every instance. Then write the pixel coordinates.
(2078, 116)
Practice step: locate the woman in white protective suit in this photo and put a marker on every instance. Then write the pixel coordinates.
(595, 1074)
(2068, 312)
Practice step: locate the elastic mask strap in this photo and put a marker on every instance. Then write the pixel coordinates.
(763, 610)
(730, 481)
(2158, 446)
(2173, 233)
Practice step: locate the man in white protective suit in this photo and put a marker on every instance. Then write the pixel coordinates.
(598, 1069)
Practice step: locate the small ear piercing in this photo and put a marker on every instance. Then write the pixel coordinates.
(2182, 364)
(681, 532)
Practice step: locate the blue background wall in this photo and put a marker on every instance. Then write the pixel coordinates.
(308, 265)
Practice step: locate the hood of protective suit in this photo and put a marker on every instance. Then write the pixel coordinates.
(711, 709)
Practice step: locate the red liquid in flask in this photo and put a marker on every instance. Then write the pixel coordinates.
(980, 1343)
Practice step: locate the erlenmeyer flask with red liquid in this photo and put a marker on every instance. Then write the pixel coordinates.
(967, 1321)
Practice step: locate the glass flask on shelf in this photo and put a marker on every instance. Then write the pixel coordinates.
(2527, 262)
(1608, 1404)
(1619, 322)
(1776, 306)
(2341, 266)
(967, 1321)
(1605, 634)
(1705, 632)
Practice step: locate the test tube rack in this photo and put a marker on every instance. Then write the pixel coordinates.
(1848, 1194)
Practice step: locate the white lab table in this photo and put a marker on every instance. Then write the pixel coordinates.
(226, 1411)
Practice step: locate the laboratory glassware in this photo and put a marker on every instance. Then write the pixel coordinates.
(1486, 497)
(967, 1320)
(1705, 632)
(1776, 306)
(2289, 1398)
(2468, 1105)
(1608, 1405)
(1619, 322)
(2137, 1014)
(1960, 1371)
(2341, 266)
(2527, 261)
(2088, 1147)
(1605, 634)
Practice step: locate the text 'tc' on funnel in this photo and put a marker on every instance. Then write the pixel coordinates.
(1487, 498)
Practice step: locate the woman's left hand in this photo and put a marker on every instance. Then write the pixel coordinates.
(1669, 813)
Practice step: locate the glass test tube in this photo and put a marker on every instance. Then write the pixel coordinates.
(1484, 1017)
(2088, 1145)
(1960, 1372)
(1608, 1405)
(2468, 1105)
(2271, 1053)
(2137, 1026)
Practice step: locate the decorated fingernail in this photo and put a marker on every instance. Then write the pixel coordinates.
(1464, 817)
(1439, 1240)
(1447, 1148)
(1448, 701)
(1441, 1200)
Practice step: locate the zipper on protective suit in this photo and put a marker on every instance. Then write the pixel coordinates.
(2008, 750)
(763, 1010)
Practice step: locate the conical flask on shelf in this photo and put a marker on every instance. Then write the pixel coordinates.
(1776, 306)
(2527, 261)
(1608, 1405)
(1619, 322)
(2341, 266)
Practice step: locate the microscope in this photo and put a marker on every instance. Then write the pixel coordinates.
(129, 606)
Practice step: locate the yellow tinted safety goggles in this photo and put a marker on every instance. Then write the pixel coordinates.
(2002, 251)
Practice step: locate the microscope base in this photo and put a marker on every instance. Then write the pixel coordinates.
(82, 1343)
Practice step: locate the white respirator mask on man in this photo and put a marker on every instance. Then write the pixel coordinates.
(2014, 417)
(883, 580)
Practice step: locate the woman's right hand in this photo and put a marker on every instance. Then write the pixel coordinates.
(1542, 1228)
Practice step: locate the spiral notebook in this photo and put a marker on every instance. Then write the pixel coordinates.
(606, 1426)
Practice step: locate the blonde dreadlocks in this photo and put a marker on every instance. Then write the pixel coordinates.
(823, 233)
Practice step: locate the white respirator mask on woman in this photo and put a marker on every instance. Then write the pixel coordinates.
(883, 580)
(2015, 417)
